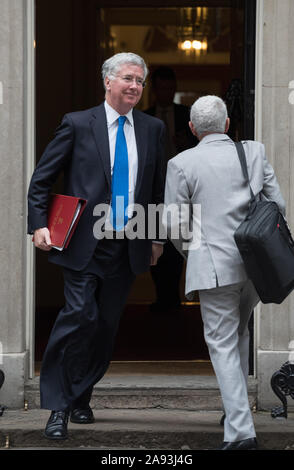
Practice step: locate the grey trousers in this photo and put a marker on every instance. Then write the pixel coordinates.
(225, 313)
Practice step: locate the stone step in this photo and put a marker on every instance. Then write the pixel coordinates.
(140, 429)
(178, 392)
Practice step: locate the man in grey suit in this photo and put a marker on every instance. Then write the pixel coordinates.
(208, 178)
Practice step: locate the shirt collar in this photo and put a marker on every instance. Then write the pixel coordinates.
(213, 138)
(112, 115)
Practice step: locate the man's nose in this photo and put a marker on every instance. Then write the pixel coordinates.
(134, 83)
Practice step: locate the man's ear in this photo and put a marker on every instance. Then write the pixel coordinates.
(192, 128)
(107, 84)
(227, 125)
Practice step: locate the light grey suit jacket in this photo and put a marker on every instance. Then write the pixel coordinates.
(210, 176)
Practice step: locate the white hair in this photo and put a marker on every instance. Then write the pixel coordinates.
(111, 66)
(209, 114)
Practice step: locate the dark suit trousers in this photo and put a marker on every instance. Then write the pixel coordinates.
(81, 342)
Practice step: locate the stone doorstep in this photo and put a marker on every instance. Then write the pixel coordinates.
(144, 392)
(140, 429)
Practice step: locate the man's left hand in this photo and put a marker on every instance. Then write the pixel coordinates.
(157, 250)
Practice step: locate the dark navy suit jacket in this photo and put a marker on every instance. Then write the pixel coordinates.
(80, 149)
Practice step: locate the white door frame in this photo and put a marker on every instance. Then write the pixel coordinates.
(258, 136)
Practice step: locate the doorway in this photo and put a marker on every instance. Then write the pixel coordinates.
(210, 47)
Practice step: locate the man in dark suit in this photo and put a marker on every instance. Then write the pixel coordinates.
(167, 273)
(108, 152)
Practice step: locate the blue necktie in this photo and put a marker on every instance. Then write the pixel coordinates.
(120, 179)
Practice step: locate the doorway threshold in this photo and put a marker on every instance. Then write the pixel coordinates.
(141, 368)
(174, 367)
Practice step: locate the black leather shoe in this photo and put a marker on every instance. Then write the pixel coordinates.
(56, 427)
(246, 444)
(82, 415)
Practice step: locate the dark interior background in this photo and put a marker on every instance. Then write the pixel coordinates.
(73, 38)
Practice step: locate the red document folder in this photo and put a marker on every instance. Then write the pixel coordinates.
(64, 213)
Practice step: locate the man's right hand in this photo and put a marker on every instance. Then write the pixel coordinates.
(42, 239)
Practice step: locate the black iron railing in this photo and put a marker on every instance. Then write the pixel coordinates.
(282, 383)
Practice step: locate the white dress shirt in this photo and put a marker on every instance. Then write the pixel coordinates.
(129, 130)
(112, 124)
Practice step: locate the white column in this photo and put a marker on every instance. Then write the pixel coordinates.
(275, 128)
(12, 208)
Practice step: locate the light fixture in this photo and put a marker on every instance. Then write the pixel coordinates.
(197, 45)
(193, 29)
(185, 45)
(194, 45)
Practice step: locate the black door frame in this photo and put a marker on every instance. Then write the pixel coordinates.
(249, 68)
(249, 58)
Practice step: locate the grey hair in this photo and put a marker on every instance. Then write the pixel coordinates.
(111, 66)
(208, 115)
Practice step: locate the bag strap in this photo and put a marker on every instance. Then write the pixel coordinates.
(242, 158)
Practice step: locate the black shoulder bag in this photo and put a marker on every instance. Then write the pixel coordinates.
(266, 245)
